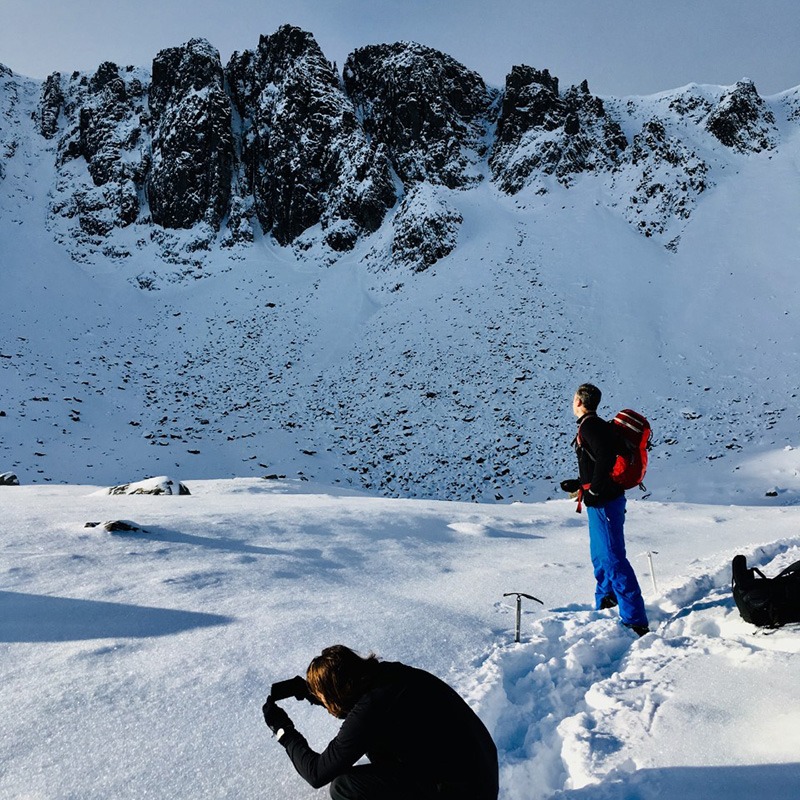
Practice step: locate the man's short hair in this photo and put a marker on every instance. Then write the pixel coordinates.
(589, 395)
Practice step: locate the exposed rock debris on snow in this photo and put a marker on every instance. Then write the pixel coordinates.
(405, 273)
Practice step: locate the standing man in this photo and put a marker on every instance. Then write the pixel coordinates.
(597, 447)
(422, 740)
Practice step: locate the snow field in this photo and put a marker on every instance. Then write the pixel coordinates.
(135, 663)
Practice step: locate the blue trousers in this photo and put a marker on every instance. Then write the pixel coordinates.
(612, 570)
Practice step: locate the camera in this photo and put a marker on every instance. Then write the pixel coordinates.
(293, 687)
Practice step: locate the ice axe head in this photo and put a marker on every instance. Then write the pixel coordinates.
(519, 596)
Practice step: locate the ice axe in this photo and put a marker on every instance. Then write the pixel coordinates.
(519, 596)
(650, 554)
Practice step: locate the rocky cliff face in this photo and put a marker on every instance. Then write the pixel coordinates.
(305, 160)
(194, 155)
(425, 228)
(9, 114)
(189, 180)
(542, 133)
(662, 178)
(102, 158)
(430, 112)
(741, 120)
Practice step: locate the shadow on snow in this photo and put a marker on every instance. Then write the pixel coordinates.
(38, 618)
(779, 781)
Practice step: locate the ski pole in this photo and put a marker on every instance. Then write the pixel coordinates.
(519, 596)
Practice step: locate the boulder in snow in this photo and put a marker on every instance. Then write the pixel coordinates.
(160, 485)
(116, 526)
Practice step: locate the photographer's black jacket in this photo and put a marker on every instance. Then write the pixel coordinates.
(412, 719)
(597, 447)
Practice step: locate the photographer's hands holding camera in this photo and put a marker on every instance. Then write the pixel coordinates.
(276, 718)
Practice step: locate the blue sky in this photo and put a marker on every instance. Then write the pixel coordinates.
(621, 46)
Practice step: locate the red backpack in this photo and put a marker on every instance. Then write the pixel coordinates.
(634, 431)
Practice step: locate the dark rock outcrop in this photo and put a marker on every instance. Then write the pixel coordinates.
(305, 158)
(742, 121)
(666, 176)
(543, 133)
(101, 117)
(50, 106)
(531, 100)
(425, 228)
(192, 145)
(429, 111)
(8, 479)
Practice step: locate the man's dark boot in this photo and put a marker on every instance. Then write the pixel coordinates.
(609, 601)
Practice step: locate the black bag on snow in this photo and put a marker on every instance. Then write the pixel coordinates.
(767, 602)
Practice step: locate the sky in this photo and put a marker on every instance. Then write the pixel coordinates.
(622, 47)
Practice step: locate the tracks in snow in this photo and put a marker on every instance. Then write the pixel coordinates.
(567, 705)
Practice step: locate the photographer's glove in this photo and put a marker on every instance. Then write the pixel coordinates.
(276, 718)
(571, 486)
(294, 687)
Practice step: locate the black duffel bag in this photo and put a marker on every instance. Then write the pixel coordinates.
(767, 602)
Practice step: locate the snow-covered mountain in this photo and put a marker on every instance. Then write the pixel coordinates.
(395, 277)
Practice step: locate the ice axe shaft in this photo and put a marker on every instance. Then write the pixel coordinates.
(650, 554)
(519, 596)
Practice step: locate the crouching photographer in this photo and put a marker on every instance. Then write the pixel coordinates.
(422, 740)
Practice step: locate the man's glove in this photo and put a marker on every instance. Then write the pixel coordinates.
(571, 486)
(275, 717)
(294, 687)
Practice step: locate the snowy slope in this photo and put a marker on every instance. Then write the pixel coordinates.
(135, 664)
(453, 381)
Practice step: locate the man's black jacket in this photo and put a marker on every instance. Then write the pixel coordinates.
(597, 446)
(409, 719)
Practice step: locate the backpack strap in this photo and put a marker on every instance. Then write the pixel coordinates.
(576, 442)
(789, 571)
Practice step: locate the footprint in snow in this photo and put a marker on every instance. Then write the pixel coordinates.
(526, 690)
